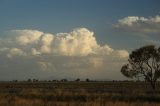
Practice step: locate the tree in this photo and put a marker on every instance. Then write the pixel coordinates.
(87, 80)
(35, 80)
(77, 80)
(144, 62)
(64, 80)
(29, 80)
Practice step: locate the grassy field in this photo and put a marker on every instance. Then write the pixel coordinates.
(78, 94)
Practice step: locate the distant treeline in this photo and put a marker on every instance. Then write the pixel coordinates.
(61, 80)
(76, 80)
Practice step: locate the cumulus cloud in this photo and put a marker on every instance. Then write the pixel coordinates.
(35, 52)
(46, 43)
(79, 42)
(75, 53)
(15, 52)
(139, 24)
(25, 37)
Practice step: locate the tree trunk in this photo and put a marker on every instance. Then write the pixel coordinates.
(153, 84)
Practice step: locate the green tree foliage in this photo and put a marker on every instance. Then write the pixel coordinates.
(144, 62)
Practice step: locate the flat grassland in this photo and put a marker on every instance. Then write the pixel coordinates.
(78, 94)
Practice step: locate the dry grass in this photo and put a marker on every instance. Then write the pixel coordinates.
(78, 94)
(37, 102)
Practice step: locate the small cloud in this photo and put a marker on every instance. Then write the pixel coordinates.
(122, 53)
(35, 52)
(138, 24)
(45, 66)
(46, 43)
(153, 42)
(15, 52)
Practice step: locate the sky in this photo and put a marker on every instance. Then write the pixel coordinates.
(54, 39)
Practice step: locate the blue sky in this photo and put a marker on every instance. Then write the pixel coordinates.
(63, 15)
(119, 27)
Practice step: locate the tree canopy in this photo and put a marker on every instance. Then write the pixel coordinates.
(144, 62)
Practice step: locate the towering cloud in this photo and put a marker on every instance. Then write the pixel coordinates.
(62, 54)
(79, 42)
(46, 43)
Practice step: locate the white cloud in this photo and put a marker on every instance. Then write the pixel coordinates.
(156, 19)
(104, 50)
(131, 20)
(152, 42)
(24, 37)
(78, 42)
(47, 39)
(139, 24)
(46, 43)
(35, 52)
(72, 54)
(122, 53)
(96, 62)
(15, 52)
(45, 66)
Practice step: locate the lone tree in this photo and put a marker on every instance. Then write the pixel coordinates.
(144, 62)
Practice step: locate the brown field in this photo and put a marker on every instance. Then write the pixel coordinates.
(78, 94)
